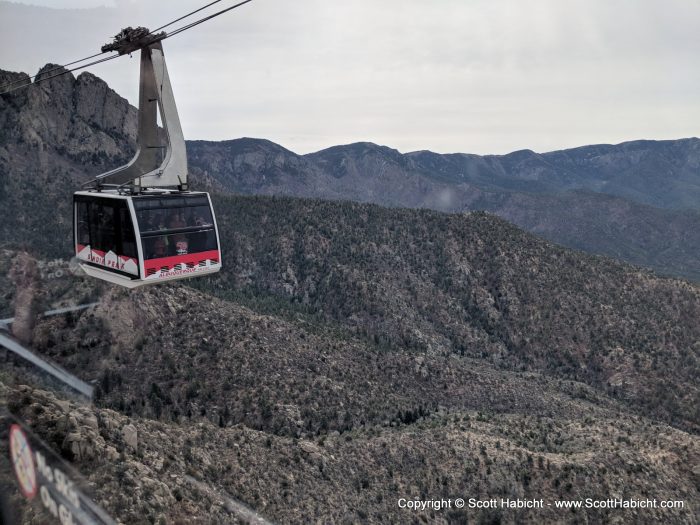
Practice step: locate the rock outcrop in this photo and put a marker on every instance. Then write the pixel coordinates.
(24, 274)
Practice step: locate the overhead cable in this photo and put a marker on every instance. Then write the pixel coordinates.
(185, 16)
(185, 28)
(4, 90)
(44, 79)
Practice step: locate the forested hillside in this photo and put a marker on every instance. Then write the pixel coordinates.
(472, 285)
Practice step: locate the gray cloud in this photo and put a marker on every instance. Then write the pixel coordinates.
(480, 76)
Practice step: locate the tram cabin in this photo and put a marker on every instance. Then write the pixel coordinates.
(132, 240)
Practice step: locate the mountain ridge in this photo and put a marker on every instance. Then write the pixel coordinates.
(667, 240)
(96, 132)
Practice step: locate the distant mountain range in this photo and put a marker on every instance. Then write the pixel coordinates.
(664, 174)
(637, 201)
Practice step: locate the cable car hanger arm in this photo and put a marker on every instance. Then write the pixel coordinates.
(146, 169)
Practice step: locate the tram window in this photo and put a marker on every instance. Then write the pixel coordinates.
(160, 219)
(172, 226)
(167, 245)
(149, 203)
(102, 227)
(83, 228)
(106, 226)
(128, 239)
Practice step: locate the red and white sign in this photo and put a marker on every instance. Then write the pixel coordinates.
(182, 264)
(108, 260)
(23, 462)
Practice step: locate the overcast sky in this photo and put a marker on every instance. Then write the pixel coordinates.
(477, 76)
